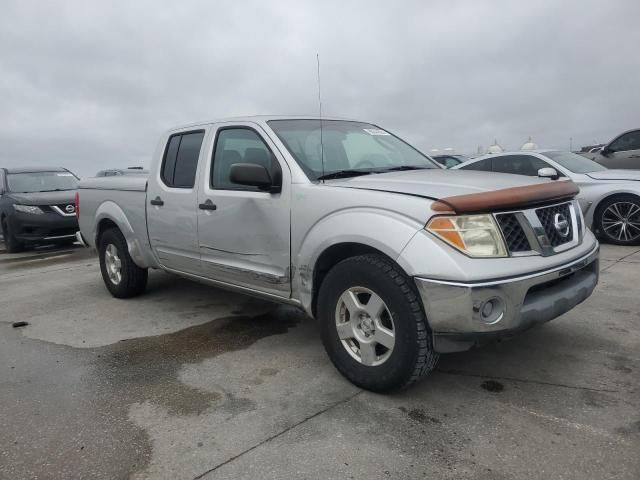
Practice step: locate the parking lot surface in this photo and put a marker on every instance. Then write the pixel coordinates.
(188, 382)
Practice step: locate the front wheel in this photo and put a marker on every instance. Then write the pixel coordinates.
(123, 278)
(10, 241)
(618, 220)
(373, 325)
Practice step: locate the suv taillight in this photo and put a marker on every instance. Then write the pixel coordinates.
(77, 202)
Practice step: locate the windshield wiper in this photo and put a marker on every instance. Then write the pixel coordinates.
(344, 174)
(403, 167)
(54, 190)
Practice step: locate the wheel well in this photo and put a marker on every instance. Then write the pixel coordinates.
(104, 225)
(331, 257)
(596, 211)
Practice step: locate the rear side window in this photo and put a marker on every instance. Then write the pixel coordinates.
(482, 165)
(239, 145)
(181, 159)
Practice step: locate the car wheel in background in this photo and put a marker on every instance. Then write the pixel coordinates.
(618, 220)
(123, 278)
(10, 241)
(373, 326)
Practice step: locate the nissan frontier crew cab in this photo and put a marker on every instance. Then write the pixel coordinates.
(398, 259)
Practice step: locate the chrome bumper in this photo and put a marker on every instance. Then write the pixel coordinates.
(464, 314)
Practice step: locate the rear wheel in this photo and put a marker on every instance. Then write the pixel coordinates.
(123, 278)
(12, 244)
(618, 220)
(373, 325)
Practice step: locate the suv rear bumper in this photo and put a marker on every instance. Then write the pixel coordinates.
(462, 315)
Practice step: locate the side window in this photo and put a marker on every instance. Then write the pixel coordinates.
(181, 159)
(519, 164)
(482, 165)
(239, 145)
(628, 141)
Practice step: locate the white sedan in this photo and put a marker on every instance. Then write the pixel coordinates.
(610, 199)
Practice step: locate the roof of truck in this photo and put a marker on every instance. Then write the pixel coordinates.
(34, 169)
(266, 118)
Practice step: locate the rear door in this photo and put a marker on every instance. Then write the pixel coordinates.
(172, 203)
(244, 233)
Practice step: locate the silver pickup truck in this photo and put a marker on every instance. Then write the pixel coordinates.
(398, 259)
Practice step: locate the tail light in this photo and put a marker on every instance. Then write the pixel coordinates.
(77, 202)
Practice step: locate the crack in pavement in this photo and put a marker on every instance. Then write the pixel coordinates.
(279, 434)
(535, 382)
(619, 260)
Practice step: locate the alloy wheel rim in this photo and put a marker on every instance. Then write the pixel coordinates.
(621, 221)
(113, 264)
(365, 326)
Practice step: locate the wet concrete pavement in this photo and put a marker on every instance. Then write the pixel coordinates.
(192, 382)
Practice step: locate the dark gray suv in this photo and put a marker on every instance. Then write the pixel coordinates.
(621, 152)
(37, 205)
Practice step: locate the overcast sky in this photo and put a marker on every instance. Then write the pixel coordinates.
(91, 85)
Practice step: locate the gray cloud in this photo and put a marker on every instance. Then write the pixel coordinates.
(91, 85)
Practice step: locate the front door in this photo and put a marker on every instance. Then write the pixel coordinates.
(624, 152)
(244, 233)
(172, 203)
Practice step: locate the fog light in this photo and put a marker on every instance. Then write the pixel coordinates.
(492, 310)
(487, 309)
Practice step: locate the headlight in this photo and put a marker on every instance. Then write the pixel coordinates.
(32, 209)
(580, 217)
(475, 235)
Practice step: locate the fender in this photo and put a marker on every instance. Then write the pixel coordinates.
(591, 206)
(137, 242)
(385, 230)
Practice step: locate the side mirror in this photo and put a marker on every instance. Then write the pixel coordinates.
(548, 172)
(606, 151)
(253, 175)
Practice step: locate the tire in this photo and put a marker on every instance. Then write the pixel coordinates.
(122, 277)
(618, 220)
(386, 369)
(12, 244)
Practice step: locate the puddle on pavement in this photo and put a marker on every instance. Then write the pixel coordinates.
(146, 369)
(89, 393)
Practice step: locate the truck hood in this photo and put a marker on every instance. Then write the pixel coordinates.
(44, 198)
(633, 175)
(437, 184)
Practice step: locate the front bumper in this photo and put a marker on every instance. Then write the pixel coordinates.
(50, 226)
(462, 315)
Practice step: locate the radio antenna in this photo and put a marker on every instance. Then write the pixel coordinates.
(320, 112)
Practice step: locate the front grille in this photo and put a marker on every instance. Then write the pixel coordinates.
(62, 209)
(513, 233)
(548, 217)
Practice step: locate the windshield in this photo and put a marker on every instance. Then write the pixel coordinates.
(574, 162)
(41, 182)
(351, 147)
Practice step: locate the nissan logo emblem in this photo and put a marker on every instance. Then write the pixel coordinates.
(70, 209)
(561, 224)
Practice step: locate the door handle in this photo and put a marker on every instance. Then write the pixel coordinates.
(157, 202)
(208, 205)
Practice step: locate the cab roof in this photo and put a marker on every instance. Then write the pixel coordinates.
(266, 118)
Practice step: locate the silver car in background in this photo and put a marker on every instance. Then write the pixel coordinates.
(610, 199)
